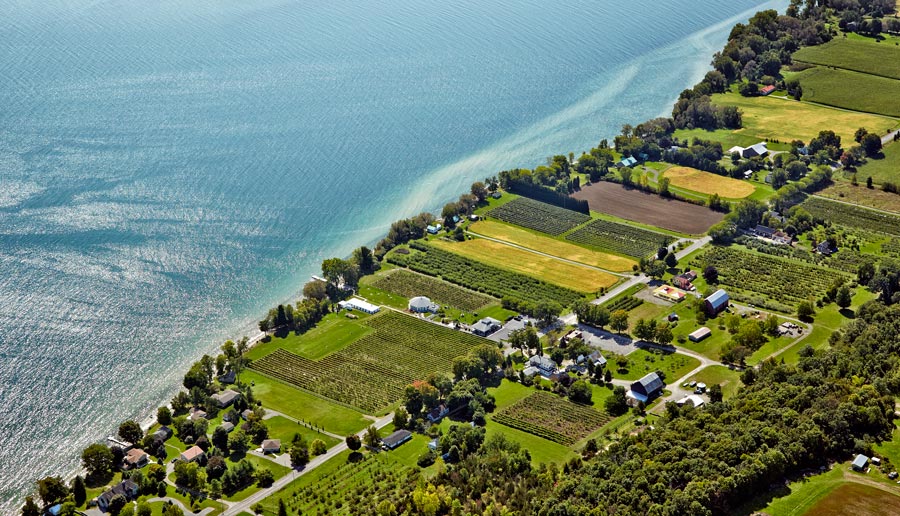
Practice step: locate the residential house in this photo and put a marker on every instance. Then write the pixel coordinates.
(434, 229)
(647, 388)
(228, 377)
(716, 302)
(396, 439)
(627, 162)
(685, 280)
(135, 458)
(669, 293)
(434, 444)
(437, 413)
(530, 371)
(271, 446)
(126, 488)
(780, 237)
(764, 231)
(598, 359)
(191, 454)
(227, 426)
(197, 414)
(226, 397)
(760, 149)
(698, 335)
(860, 462)
(163, 433)
(246, 414)
(545, 365)
(421, 305)
(486, 326)
(825, 248)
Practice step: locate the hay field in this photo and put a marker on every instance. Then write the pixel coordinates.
(708, 183)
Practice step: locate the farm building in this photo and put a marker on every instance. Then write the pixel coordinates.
(669, 293)
(717, 302)
(396, 439)
(486, 326)
(225, 398)
(764, 231)
(692, 399)
(421, 305)
(698, 335)
(545, 365)
(760, 149)
(765, 90)
(627, 162)
(356, 303)
(860, 463)
(647, 388)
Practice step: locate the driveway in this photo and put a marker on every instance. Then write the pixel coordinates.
(607, 341)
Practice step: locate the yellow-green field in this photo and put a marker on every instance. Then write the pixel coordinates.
(873, 198)
(548, 245)
(551, 270)
(864, 56)
(884, 169)
(708, 183)
(786, 120)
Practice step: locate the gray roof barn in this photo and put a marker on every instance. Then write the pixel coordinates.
(650, 385)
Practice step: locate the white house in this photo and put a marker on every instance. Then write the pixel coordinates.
(421, 305)
(356, 303)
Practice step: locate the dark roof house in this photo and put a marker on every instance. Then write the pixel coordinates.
(126, 488)
(396, 439)
(226, 397)
(437, 413)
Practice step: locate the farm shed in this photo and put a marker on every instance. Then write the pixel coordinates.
(647, 388)
(358, 304)
(717, 302)
(396, 439)
(860, 462)
(766, 90)
(699, 334)
(693, 399)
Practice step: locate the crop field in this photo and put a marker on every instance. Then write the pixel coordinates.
(410, 284)
(626, 303)
(539, 216)
(646, 208)
(552, 417)
(858, 56)
(786, 120)
(851, 498)
(873, 198)
(868, 93)
(708, 183)
(787, 282)
(620, 238)
(371, 373)
(479, 276)
(552, 246)
(853, 216)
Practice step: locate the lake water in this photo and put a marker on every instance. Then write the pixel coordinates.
(168, 170)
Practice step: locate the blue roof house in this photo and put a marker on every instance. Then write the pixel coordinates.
(717, 302)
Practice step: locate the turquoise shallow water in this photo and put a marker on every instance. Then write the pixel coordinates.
(168, 170)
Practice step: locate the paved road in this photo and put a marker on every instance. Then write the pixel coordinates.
(573, 262)
(250, 501)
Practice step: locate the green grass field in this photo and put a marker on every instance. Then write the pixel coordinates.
(259, 463)
(884, 169)
(851, 90)
(304, 406)
(786, 120)
(729, 380)
(284, 429)
(641, 362)
(333, 333)
(864, 56)
(728, 138)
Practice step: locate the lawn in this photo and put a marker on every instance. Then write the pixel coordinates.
(283, 428)
(728, 138)
(730, 380)
(796, 499)
(333, 333)
(884, 169)
(786, 120)
(851, 90)
(858, 55)
(305, 406)
(552, 246)
(551, 270)
(873, 198)
(643, 361)
(708, 183)
(890, 449)
(259, 463)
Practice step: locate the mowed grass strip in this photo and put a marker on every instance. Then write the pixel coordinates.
(786, 120)
(548, 245)
(856, 55)
(708, 183)
(551, 270)
(851, 90)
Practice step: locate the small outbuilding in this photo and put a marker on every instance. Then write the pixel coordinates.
(699, 334)
(396, 439)
(860, 463)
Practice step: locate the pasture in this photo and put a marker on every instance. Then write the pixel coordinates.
(708, 183)
(644, 361)
(856, 55)
(538, 216)
(497, 282)
(646, 208)
(729, 380)
(544, 268)
(620, 238)
(873, 198)
(851, 90)
(537, 242)
(371, 373)
(552, 417)
(410, 284)
(786, 120)
(883, 169)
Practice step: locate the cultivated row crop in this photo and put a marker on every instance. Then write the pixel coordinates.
(478, 276)
(539, 216)
(371, 373)
(620, 238)
(553, 418)
(784, 281)
(409, 284)
(852, 216)
(626, 303)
